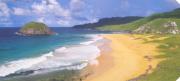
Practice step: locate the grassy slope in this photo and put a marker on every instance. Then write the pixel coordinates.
(136, 24)
(158, 24)
(130, 26)
(167, 70)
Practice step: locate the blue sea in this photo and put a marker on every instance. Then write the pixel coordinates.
(19, 54)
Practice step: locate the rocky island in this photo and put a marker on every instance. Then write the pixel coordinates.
(35, 28)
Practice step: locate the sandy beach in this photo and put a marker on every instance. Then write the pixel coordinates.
(128, 59)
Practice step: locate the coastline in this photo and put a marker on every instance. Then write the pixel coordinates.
(122, 57)
(128, 59)
(72, 57)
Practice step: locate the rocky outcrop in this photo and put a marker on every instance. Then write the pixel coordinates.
(142, 29)
(170, 27)
(35, 28)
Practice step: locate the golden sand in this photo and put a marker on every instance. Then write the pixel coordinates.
(130, 57)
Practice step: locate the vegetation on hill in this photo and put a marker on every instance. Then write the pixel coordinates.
(35, 28)
(129, 26)
(34, 25)
(168, 69)
(160, 26)
(108, 21)
(156, 22)
(172, 14)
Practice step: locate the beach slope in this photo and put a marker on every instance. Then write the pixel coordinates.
(130, 58)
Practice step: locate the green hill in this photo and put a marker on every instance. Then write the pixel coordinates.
(172, 14)
(35, 28)
(130, 26)
(108, 21)
(155, 21)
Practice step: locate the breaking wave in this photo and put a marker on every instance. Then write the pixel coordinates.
(72, 57)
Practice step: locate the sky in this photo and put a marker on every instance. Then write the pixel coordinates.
(66, 13)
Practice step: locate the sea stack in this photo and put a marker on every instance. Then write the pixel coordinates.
(35, 28)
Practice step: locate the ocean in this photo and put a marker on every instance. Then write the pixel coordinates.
(70, 49)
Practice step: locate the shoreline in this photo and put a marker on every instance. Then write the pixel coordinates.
(122, 58)
(126, 61)
(58, 54)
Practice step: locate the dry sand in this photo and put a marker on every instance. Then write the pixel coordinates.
(130, 57)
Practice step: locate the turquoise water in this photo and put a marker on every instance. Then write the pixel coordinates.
(24, 54)
(13, 47)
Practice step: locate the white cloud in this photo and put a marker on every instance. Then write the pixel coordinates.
(41, 20)
(64, 22)
(52, 2)
(175, 2)
(39, 8)
(77, 5)
(21, 11)
(4, 14)
(51, 9)
(178, 1)
(50, 12)
(82, 12)
(4, 10)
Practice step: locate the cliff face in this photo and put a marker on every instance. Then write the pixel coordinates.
(35, 28)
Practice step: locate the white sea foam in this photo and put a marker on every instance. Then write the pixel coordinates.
(14, 66)
(69, 56)
(87, 43)
(94, 38)
(76, 57)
